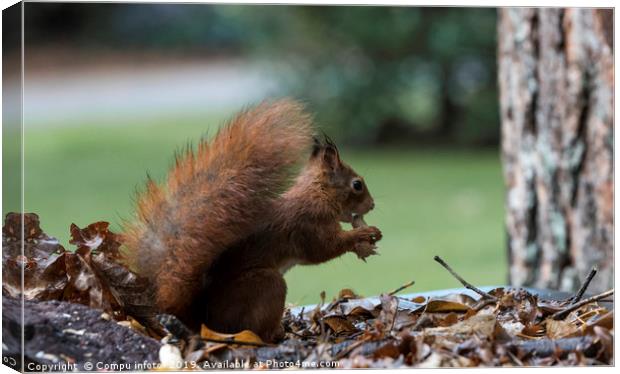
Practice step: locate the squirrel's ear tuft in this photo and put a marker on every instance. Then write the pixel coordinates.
(331, 158)
(329, 142)
(326, 152)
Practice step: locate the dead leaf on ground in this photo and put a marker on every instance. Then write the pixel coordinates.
(42, 261)
(244, 337)
(96, 236)
(560, 329)
(339, 325)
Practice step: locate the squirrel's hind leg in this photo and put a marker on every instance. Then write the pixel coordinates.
(252, 301)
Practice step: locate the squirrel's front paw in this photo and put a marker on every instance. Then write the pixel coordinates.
(369, 234)
(364, 249)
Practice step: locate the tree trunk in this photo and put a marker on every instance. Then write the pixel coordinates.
(556, 91)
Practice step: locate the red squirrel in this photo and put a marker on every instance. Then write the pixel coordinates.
(216, 238)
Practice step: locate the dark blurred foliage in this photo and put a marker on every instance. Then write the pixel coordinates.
(374, 74)
(167, 28)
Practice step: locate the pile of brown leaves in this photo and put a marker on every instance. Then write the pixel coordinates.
(507, 327)
(502, 327)
(91, 274)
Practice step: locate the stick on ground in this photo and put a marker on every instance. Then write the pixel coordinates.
(465, 283)
(406, 285)
(349, 349)
(584, 286)
(564, 312)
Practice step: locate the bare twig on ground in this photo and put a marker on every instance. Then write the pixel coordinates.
(564, 312)
(548, 347)
(404, 286)
(349, 349)
(584, 286)
(483, 304)
(463, 281)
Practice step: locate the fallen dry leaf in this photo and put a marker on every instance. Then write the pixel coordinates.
(339, 325)
(244, 337)
(96, 236)
(560, 329)
(436, 306)
(42, 261)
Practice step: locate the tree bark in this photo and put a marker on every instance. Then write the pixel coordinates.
(556, 94)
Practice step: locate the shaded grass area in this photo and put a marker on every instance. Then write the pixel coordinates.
(429, 202)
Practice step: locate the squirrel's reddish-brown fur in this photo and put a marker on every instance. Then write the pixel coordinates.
(217, 237)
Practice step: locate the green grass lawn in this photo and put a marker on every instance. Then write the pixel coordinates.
(432, 202)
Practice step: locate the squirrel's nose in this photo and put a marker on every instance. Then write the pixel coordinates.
(372, 205)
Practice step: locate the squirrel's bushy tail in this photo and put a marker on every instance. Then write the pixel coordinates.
(213, 197)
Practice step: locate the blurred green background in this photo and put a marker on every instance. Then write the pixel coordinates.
(112, 90)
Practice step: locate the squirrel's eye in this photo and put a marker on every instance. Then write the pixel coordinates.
(357, 185)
